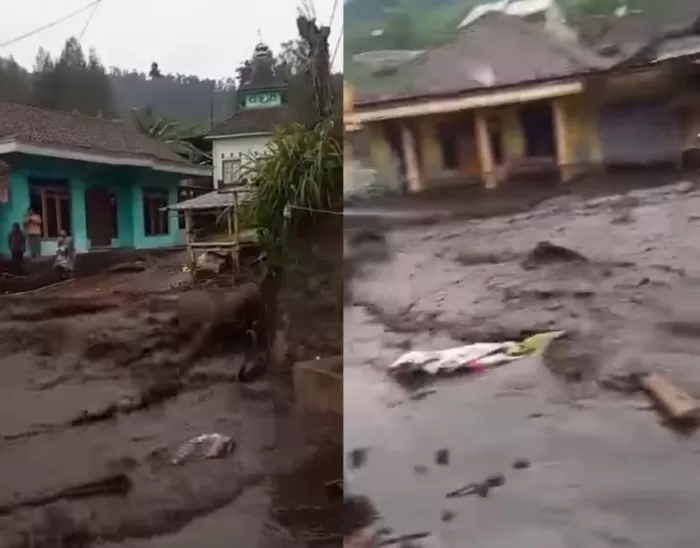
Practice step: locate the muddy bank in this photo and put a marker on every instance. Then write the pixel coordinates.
(99, 383)
(601, 457)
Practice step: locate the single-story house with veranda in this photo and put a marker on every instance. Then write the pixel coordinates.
(102, 181)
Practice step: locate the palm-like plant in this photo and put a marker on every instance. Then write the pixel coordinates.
(173, 134)
(300, 171)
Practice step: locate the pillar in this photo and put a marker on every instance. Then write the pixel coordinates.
(483, 145)
(564, 141)
(410, 159)
(78, 215)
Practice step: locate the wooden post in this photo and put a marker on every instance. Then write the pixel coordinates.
(236, 228)
(565, 157)
(483, 145)
(188, 241)
(410, 159)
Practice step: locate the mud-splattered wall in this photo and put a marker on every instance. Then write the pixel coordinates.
(310, 297)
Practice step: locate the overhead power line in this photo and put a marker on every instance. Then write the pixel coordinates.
(89, 20)
(49, 25)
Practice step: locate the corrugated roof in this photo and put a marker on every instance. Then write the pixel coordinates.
(497, 50)
(254, 120)
(212, 200)
(519, 8)
(64, 130)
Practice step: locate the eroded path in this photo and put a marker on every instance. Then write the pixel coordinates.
(96, 384)
(601, 468)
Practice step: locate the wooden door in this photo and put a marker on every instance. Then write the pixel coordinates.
(99, 217)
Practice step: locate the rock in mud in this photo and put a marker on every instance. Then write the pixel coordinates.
(442, 457)
(547, 253)
(358, 458)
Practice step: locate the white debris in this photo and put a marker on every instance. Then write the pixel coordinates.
(475, 356)
(209, 446)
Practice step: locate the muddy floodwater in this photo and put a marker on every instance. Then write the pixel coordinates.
(581, 459)
(98, 393)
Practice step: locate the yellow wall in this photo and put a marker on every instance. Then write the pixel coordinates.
(378, 147)
(513, 136)
(580, 115)
(429, 146)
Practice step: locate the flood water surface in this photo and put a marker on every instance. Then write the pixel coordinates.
(572, 459)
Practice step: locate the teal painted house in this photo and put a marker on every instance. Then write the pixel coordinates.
(103, 182)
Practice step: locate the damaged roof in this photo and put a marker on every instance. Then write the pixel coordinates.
(623, 35)
(74, 132)
(254, 120)
(496, 50)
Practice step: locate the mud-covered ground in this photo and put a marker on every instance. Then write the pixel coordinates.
(97, 392)
(586, 461)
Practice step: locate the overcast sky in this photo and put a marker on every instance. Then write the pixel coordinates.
(208, 38)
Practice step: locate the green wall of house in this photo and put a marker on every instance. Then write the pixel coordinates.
(126, 184)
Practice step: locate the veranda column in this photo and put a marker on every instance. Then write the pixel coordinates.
(410, 159)
(483, 145)
(565, 156)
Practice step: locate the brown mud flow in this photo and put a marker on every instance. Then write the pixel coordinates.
(100, 384)
(581, 456)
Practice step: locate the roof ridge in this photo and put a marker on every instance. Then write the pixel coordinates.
(58, 111)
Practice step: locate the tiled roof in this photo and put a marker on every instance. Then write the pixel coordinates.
(75, 132)
(254, 120)
(496, 50)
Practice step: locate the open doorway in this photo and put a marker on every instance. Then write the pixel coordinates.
(537, 121)
(100, 216)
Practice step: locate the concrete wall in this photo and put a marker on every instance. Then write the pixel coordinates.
(235, 147)
(125, 183)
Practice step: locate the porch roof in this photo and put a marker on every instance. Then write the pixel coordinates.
(215, 200)
(44, 132)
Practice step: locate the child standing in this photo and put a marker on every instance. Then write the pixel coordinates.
(18, 245)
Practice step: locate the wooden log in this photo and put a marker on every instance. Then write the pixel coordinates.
(676, 402)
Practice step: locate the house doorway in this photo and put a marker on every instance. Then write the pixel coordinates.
(537, 121)
(100, 216)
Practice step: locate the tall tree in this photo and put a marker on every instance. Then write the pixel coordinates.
(73, 83)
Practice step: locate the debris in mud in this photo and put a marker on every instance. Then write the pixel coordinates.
(521, 464)
(675, 402)
(547, 253)
(358, 458)
(209, 446)
(442, 457)
(112, 485)
(481, 488)
(128, 268)
(403, 540)
(625, 383)
(471, 357)
(447, 516)
(421, 394)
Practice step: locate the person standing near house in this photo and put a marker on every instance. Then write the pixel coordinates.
(64, 261)
(17, 243)
(33, 225)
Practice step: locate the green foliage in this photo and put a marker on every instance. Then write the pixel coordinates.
(177, 136)
(301, 170)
